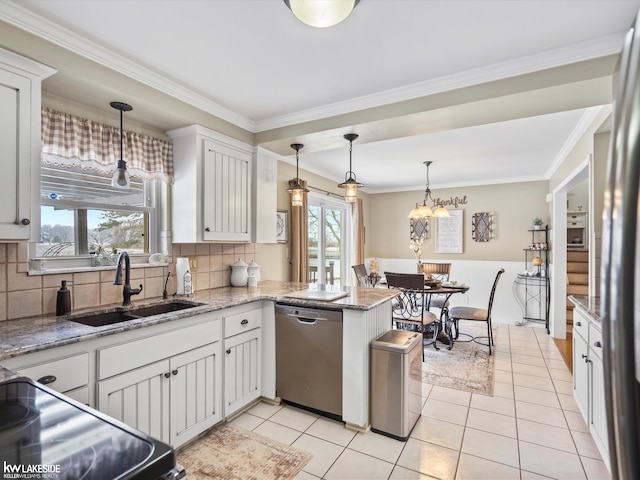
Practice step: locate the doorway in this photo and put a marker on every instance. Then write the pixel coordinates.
(329, 240)
(558, 320)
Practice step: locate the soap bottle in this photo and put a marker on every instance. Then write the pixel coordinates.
(188, 287)
(63, 301)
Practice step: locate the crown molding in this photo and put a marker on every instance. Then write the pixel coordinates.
(13, 13)
(598, 48)
(578, 132)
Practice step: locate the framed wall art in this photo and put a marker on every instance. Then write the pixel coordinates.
(282, 226)
(449, 233)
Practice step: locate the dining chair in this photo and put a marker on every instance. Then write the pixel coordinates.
(441, 272)
(476, 314)
(361, 274)
(408, 308)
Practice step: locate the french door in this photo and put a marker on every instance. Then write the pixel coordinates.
(329, 240)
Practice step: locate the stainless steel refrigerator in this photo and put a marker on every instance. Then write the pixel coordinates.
(620, 287)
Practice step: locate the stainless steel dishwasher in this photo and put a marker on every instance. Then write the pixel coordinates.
(309, 358)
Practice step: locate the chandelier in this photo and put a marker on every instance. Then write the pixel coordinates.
(424, 210)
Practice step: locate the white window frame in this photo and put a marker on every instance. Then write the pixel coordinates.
(323, 201)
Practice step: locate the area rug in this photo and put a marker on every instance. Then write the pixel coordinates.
(233, 453)
(468, 366)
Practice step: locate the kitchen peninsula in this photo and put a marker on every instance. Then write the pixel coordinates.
(96, 355)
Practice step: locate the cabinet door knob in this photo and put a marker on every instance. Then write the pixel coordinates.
(584, 356)
(228, 351)
(25, 221)
(578, 324)
(597, 344)
(167, 375)
(175, 372)
(207, 229)
(47, 379)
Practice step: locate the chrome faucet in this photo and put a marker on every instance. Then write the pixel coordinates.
(127, 291)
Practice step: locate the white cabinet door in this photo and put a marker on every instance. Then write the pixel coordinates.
(242, 371)
(139, 398)
(196, 392)
(226, 193)
(15, 155)
(581, 374)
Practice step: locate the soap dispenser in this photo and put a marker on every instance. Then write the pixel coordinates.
(63, 302)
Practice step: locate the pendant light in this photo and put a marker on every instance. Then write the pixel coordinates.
(296, 188)
(321, 13)
(350, 183)
(120, 177)
(424, 210)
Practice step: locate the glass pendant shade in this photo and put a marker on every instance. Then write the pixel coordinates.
(120, 178)
(321, 13)
(296, 186)
(441, 212)
(350, 183)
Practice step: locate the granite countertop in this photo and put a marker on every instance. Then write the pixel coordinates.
(31, 334)
(590, 305)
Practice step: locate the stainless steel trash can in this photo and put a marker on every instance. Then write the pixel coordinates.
(396, 383)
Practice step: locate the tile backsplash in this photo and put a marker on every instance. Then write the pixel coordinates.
(24, 295)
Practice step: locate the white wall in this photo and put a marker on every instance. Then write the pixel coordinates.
(479, 275)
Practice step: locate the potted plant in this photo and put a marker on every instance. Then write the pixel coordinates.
(537, 223)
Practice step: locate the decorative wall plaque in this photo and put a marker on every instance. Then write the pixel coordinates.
(482, 226)
(449, 233)
(419, 229)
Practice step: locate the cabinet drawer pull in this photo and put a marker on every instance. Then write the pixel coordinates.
(175, 372)
(228, 351)
(167, 375)
(597, 344)
(47, 379)
(244, 322)
(578, 324)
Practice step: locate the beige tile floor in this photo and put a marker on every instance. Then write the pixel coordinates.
(530, 429)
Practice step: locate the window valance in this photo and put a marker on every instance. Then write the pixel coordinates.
(70, 141)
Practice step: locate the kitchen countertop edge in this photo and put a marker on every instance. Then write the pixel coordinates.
(590, 305)
(33, 334)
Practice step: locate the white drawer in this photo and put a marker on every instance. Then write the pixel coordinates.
(61, 375)
(595, 341)
(242, 322)
(575, 221)
(130, 355)
(580, 325)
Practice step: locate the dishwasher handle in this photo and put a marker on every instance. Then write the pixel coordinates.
(305, 320)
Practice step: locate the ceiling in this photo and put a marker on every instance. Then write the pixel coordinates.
(490, 91)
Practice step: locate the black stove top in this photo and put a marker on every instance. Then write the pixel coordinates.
(46, 435)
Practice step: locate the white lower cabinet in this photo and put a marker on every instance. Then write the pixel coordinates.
(167, 385)
(588, 378)
(242, 358)
(172, 399)
(65, 374)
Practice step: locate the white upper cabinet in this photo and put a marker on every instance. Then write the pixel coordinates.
(20, 97)
(211, 198)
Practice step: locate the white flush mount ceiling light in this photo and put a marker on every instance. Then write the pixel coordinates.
(321, 13)
(120, 177)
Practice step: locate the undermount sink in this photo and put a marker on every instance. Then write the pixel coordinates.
(109, 318)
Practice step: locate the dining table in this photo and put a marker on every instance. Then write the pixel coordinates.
(445, 334)
(447, 289)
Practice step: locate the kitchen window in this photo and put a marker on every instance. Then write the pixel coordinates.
(82, 215)
(84, 221)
